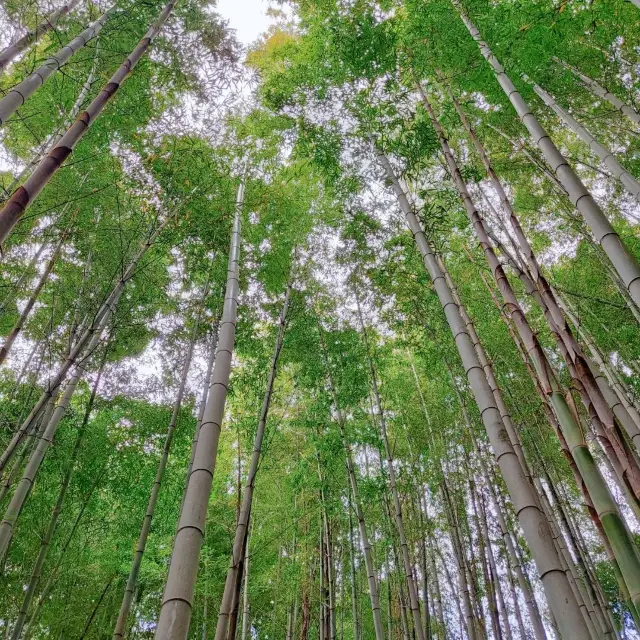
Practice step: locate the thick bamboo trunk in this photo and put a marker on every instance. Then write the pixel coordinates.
(17, 204)
(514, 561)
(576, 551)
(598, 90)
(548, 382)
(624, 263)
(407, 561)
(23, 43)
(531, 518)
(247, 500)
(605, 155)
(208, 381)
(176, 609)
(125, 606)
(19, 94)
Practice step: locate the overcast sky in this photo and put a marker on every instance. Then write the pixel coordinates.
(247, 17)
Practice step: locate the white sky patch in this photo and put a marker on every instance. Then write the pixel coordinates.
(248, 18)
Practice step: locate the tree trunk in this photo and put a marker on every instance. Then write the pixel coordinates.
(36, 572)
(23, 43)
(247, 500)
(17, 204)
(125, 606)
(175, 612)
(624, 263)
(19, 94)
(598, 90)
(531, 518)
(605, 155)
(414, 603)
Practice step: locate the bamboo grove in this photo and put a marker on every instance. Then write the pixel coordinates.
(331, 336)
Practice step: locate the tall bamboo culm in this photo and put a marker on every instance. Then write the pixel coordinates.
(625, 264)
(23, 43)
(177, 601)
(242, 527)
(18, 203)
(530, 517)
(125, 606)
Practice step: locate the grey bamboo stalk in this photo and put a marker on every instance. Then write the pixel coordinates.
(606, 156)
(23, 43)
(570, 428)
(33, 298)
(352, 569)
(23, 489)
(53, 573)
(36, 572)
(490, 374)
(105, 309)
(47, 145)
(598, 90)
(247, 499)
(176, 609)
(532, 611)
(18, 95)
(576, 551)
(570, 567)
(202, 406)
(596, 387)
(532, 520)
(414, 603)
(463, 584)
(624, 263)
(125, 606)
(245, 595)
(17, 204)
(364, 536)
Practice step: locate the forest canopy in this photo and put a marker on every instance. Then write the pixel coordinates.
(330, 336)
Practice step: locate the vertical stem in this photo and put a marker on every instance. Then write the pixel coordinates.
(176, 609)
